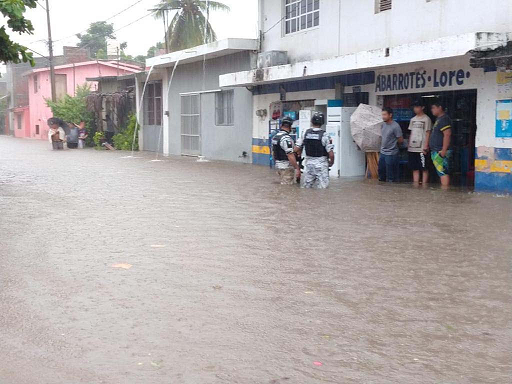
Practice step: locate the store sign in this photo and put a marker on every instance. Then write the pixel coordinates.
(435, 78)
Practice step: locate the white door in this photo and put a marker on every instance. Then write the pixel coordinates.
(191, 125)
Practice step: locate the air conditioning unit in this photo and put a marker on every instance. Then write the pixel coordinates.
(272, 59)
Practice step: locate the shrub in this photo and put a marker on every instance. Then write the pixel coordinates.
(74, 110)
(123, 140)
(99, 138)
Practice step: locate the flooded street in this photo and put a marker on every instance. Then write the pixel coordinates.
(236, 279)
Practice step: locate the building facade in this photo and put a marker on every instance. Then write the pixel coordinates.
(67, 79)
(191, 115)
(387, 53)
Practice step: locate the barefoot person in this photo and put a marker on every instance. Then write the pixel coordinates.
(420, 127)
(441, 142)
(56, 134)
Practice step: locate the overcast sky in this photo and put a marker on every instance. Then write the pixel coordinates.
(69, 17)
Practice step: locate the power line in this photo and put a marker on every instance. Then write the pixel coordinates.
(124, 26)
(107, 19)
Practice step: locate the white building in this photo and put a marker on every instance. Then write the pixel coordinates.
(184, 111)
(387, 53)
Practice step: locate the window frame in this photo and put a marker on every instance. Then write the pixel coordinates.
(36, 83)
(227, 108)
(153, 104)
(300, 14)
(378, 6)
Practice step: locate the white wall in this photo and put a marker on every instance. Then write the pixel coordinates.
(349, 26)
(260, 126)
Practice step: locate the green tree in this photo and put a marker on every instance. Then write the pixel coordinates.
(96, 37)
(12, 11)
(152, 51)
(188, 26)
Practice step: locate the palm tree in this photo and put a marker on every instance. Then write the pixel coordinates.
(189, 26)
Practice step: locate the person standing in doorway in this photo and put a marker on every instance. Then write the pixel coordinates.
(441, 142)
(319, 154)
(392, 137)
(282, 150)
(111, 131)
(420, 127)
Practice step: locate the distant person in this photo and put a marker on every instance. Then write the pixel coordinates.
(319, 154)
(111, 131)
(56, 134)
(282, 149)
(392, 137)
(82, 135)
(441, 142)
(420, 127)
(72, 136)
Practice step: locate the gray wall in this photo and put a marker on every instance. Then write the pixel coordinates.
(217, 142)
(153, 138)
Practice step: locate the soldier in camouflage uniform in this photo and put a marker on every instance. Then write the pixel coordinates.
(282, 150)
(319, 154)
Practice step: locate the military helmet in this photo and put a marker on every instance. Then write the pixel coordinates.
(318, 119)
(287, 120)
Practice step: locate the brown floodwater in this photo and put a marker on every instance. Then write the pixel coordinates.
(237, 279)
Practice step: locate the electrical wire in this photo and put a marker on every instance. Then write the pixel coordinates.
(107, 19)
(275, 25)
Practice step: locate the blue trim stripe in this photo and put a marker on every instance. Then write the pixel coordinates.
(260, 159)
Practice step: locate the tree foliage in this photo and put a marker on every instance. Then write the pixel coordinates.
(153, 51)
(12, 11)
(189, 26)
(96, 37)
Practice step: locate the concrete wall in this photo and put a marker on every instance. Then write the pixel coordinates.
(217, 142)
(349, 26)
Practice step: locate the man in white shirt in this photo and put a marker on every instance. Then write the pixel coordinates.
(420, 127)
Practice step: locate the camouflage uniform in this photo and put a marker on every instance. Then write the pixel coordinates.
(284, 169)
(316, 169)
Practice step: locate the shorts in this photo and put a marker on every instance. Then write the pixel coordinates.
(417, 161)
(442, 164)
(56, 145)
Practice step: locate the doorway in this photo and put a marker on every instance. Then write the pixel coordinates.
(191, 125)
(461, 107)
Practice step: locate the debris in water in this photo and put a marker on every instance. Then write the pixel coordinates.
(122, 266)
(217, 287)
(317, 363)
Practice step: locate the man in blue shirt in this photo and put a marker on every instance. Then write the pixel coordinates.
(392, 136)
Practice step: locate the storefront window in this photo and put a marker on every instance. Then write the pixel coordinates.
(301, 14)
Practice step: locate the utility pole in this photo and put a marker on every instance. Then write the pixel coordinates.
(50, 51)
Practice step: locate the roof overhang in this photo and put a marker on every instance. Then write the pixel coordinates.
(445, 47)
(208, 51)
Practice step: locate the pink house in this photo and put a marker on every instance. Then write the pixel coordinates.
(67, 78)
